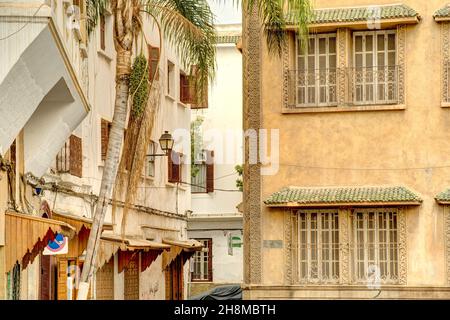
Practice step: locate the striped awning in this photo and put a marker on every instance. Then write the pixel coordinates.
(342, 196)
(178, 247)
(78, 221)
(26, 236)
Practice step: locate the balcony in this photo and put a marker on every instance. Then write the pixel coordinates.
(347, 87)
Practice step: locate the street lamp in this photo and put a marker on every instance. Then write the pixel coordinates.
(166, 142)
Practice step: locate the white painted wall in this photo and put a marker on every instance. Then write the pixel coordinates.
(222, 132)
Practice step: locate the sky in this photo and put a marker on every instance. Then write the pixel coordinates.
(226, 13)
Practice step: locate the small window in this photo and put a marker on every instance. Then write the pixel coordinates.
(202, 180)
(105, 130)
(70, 158)
(202, 262)
(103, 32)
(153, 53)
(150, 165)
(170, 79)
(174, 167)
(184, 89)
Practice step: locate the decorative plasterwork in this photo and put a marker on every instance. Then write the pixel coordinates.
(447, 240)
(343, 40)
(402, 248)
(401, 51)
(344, 247)
(445, 58)
(289, 248)
(252, 172)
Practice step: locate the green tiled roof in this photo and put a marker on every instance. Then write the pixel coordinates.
(228, 39)
(444, 196)
(355, 14)
(443, 12)
(342, 195)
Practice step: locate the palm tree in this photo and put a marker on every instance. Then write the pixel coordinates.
(188, 25)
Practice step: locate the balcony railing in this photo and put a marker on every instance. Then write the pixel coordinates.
(343, 87)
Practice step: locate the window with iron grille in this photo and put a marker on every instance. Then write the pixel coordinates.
(202, 262)
(375, 245)
(150, 165)
(375, 74)
(318, 246)
(315, 75)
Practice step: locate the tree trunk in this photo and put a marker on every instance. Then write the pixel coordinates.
(123, 41)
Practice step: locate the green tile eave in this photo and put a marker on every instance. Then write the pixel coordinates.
(342, 195)
(355, 14)
(444, 196)
(443, 12)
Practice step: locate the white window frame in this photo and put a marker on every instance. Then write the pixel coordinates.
(360, 72)
(152, 149)
(373, 272)
(333, 260)
(317, 77)
(200, 257)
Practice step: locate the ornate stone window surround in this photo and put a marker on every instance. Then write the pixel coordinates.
(346, 271)
(344, 61)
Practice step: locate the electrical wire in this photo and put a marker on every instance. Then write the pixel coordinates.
(25, 24)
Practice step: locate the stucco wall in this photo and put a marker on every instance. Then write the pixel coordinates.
(406, 147)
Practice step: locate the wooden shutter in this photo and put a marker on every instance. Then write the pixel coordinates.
(210, 265)
(174, 166)
(105, 129)
(105, 281)
(76, 156)
(131, 278)
(62, 279)
(198, 95)
(153, 66)
(185, 89)
(102, 32)
(209, 171)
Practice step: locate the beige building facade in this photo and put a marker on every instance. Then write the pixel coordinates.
(358, 207)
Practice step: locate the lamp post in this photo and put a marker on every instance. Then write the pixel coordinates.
(166, 143)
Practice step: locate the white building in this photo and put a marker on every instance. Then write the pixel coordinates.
(215, 220)
(68, 153)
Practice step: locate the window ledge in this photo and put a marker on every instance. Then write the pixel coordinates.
(182, 104)
(344, 108)
(168, 96)
(174, 185)
(445, 104)
(149, 179)
(108, 56)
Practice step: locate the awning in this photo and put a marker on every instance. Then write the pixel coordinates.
(82, 226)
(111, 243)
(442, 14)
(343, 196)
(27, 236)
(352, 16)
(179, 246)
(78, 222)
(443, 197)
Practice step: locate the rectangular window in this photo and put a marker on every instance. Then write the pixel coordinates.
(198, 93)
(202, 262)
(153, 67)
(103, 32)
(174, 167)
(184, 89)
(70, 158)
(375, 249)
(170, 79)
(203, 180)
(375, 71)
(315, 75)
(105, 130)
(318, 246)
(150, 165)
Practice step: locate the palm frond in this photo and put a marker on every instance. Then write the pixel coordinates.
(188, 25)
(273, 14)
(94, 9)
